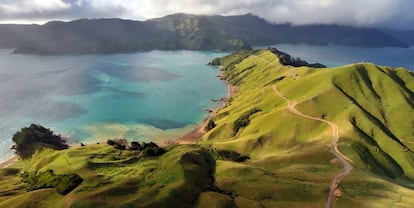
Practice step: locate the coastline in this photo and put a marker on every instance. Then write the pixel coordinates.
(9, 162)
(193, 136)
(190, 138)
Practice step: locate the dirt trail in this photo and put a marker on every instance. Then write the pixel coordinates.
(346, 162)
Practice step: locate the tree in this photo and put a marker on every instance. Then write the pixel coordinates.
(135, 146)
(28, 139)
(120, 144)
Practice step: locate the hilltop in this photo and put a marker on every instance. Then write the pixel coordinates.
(268, 147)
(291, 161)
(180, 31)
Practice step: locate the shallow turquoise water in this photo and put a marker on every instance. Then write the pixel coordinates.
(142, 96)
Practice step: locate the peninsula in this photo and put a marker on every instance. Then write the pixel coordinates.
(289, 137)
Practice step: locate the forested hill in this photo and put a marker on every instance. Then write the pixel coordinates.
(179, 31)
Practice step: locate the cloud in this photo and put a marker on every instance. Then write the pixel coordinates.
(351, 12)
(11, 9)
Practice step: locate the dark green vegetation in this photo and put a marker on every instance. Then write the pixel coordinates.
(210, 125)
(229, 155)
(243, 120)
(179, 31)
(146, 149)
(28, 139)
(288, 60)
(63, 183)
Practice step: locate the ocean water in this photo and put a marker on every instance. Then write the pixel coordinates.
(157, 95)
(144, 96)
(342, 55)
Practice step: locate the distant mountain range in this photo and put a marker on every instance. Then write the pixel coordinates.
(184, 31)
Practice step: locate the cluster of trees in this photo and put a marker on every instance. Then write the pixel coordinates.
(36, 136)
(48, 179)
(148, 149)
(288, 60)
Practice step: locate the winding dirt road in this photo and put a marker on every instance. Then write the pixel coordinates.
(346, 162)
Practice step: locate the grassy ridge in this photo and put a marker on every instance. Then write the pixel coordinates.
(372, 106)
(283, 160)
(114, 178)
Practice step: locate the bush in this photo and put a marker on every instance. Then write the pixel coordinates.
(110, 142)
(29, 138)
(152, 150)
(244, 120)
(210, 125)
(120, 144)
(135, 146)
(63, 183)
(148, 149)
(230, 156)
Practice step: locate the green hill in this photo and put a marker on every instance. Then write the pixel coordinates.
(290, 160)
(113, 178)
(258, 153)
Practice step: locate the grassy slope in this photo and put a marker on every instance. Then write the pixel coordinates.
(291, 163)
(114, 179)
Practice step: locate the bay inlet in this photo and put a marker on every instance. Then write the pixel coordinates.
(143, 96)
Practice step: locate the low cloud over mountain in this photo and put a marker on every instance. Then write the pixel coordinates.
(383, 13)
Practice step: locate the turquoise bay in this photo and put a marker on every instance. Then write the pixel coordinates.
(155, 95)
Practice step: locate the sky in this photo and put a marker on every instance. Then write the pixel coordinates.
(365, 13)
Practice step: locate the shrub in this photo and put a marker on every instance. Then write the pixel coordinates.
(210, 125)
(63, 183)
(148, 149)
(151, 149)
(135, 146)
(244, 120)
(230, 156)
(120, 144)
(110, 142)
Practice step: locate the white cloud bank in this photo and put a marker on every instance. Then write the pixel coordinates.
(391, 13)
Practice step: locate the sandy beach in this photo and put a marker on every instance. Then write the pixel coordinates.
(193, 136)
(9, 161)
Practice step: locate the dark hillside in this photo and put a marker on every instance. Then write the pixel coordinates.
(179, 31)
